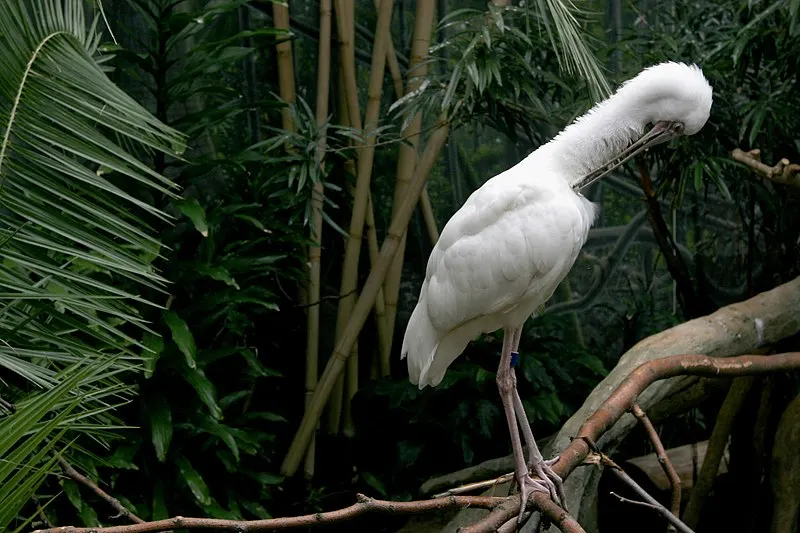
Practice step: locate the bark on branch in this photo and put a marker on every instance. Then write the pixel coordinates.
(782, 172)
(363, 505)
(663, 460)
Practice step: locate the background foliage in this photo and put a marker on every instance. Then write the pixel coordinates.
(220, 355)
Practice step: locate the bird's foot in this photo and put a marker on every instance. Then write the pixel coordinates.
(526, 487)
(551, 480)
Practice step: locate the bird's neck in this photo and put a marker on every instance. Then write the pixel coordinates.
(594, 139)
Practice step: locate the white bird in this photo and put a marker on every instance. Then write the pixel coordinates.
(501, 256)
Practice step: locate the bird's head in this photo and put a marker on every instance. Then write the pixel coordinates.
(673, 98)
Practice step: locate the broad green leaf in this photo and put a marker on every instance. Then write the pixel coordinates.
(73, 493)
(155, 345)
(192, 209)
(375, 483)
(256, 509)
(160, 511)
(204, 389)
(221, 431)
(194, 481)
(160, 417)
(182, 337)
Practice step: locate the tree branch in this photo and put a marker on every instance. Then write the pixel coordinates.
(363, 505)
(692, 303)
(648, 500)
(663, 459)
(86, 482)
(624, 396)
(716, 447)
(502, 509)
(604, 269)
(782, 172)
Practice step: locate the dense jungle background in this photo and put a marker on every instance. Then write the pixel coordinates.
(178, 180)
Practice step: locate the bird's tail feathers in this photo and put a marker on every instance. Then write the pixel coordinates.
(419, 345)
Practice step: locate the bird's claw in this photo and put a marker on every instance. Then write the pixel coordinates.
(553, 482)
(526, 486)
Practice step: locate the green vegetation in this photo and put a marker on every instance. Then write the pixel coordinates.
(156, 225)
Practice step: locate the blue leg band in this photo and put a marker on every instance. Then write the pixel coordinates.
(514, 359)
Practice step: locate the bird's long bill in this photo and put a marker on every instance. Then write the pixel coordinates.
(661, 132)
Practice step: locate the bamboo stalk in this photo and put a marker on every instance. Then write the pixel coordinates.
(315, 249)
(391, 245)
(383, 364)
(286, 89)
(428, 216)
(427, 210)
(407, 155)
(424, 199)
(280, 16)
(366, 154)
(335, 404)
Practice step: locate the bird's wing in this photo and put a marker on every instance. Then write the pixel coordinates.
(498, 246)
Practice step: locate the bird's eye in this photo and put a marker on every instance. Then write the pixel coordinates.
(678, 127)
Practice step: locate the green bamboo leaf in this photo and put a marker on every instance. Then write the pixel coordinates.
(182, 337)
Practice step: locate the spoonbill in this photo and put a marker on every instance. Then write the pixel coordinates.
(501, 256)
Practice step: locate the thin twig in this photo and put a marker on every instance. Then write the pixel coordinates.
(8, 406)
(623, 499)
(40, 511)
(663, 460)
(364, 505)
(617, 471)
(85, 481)
(469, 487)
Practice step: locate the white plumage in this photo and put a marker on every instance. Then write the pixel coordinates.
(514, 240)
(499, 258)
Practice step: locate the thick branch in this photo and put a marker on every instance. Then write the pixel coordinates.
(782, 172)
(624, 396)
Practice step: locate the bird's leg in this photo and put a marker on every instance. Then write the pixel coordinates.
(536, 461)
(507, 383)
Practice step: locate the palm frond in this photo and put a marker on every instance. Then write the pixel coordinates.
(568, 39)
(76, 233)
